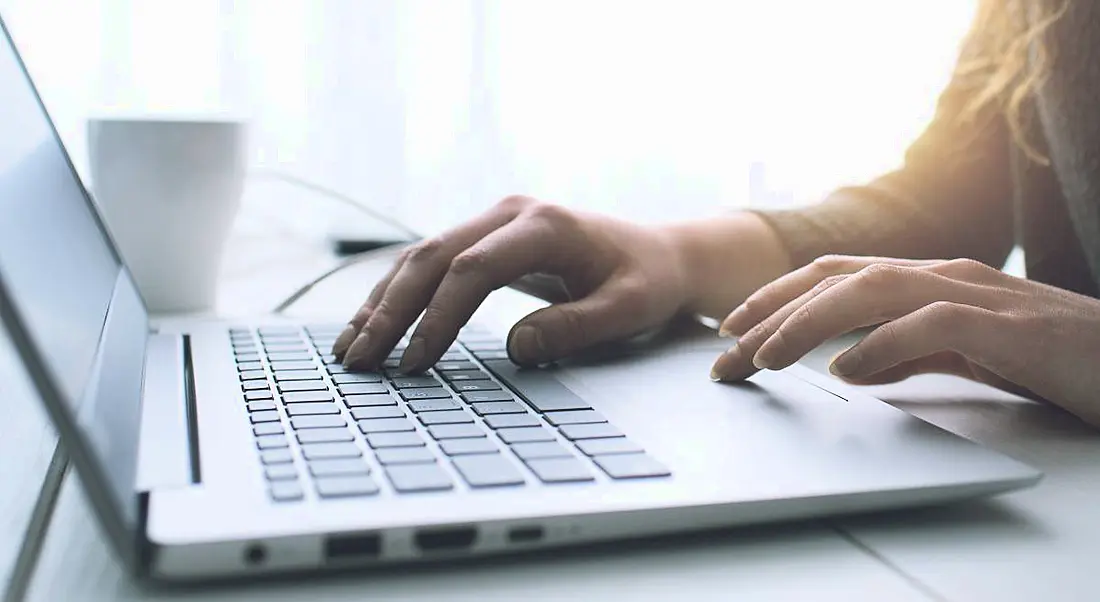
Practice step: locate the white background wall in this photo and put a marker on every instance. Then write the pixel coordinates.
(432, 109)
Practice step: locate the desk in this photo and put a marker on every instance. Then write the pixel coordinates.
(1029, 545)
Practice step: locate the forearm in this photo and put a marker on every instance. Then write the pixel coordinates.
(726, 259)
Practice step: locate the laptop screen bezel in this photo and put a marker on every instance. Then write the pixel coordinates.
(122, 515)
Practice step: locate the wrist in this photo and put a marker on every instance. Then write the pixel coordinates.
(724, 260)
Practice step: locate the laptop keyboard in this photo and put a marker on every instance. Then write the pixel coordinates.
(320, 428)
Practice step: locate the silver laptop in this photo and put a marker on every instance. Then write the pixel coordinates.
(224, 450)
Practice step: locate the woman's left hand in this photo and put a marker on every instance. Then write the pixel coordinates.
(958, 317)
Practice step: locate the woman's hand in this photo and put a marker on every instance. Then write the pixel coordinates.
(959, 317)
(619, 279)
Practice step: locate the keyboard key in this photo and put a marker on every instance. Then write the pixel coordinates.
(487, 396)
(362, 389)
(455, 431)
(487, 345)
(393, 363)
(325, 435)
(498, 407)
(453, 356)
(374, 413)
(385, 425)
(503, 421)
(271, 441)
(286, 491)
(448, 417)
(364, 401)
(335, 369)
(491, 355)
(318, 330)
(311, 409)
(275, 331)
(326, 451)
(289, 356)
(253, 375)
(259, 395)
(302, 385)
(404, 455)
(454, 366)
(291, 366)
(477, 385)
(425, 393)
(342, 466)
(560, 470)
(526, 435)
(465, 375)
(416, 382)
(276, 456)
(539, 387)
(316, 422)
(603, 447)
(462, 447)
(327, 358)
(261, 406)
(286, 348)
(335, 487)
(535, 451)
(255, 385)
(287, 375)
(433, 405)
(307, 396)
(573, 432)
(575, 417)
(383, 440)
(249, 366)
(488, 471)
(249, 356)
(267, 428)
(280, 472)
(631, 466)
(268, 416)
(411, 478)
(356, 377)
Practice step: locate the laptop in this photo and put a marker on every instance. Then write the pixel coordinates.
(220, 450)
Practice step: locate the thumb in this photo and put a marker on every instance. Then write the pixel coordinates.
(555, 332)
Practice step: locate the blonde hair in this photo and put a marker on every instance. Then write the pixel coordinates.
(1009, 62)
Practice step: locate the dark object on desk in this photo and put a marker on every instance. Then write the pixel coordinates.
(348, 246)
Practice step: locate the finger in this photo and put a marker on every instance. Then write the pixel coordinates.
(412, 286)
(783, 290)
(980, 335)
(944, 362)
(736, 363)
(347, 337)
(876, 294)
(522, 247)
(616, 310)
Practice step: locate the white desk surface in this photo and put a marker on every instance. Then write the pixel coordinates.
(1035, 544)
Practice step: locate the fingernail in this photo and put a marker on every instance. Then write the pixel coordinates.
(845, 364)
(413, 355)
(357, 350)
(724, 333)
(762, 362)
(526, 344)
(340, 346)
(725, 364)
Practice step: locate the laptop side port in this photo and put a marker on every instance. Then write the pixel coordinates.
(352, 547)
(526, 534)
(446, 539)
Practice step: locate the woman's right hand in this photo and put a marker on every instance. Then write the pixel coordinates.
(619, 279)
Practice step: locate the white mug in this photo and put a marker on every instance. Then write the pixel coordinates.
(169, 190)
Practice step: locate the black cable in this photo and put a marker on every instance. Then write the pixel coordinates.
(347, 262)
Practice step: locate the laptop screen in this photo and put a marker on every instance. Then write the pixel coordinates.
(66, 300)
